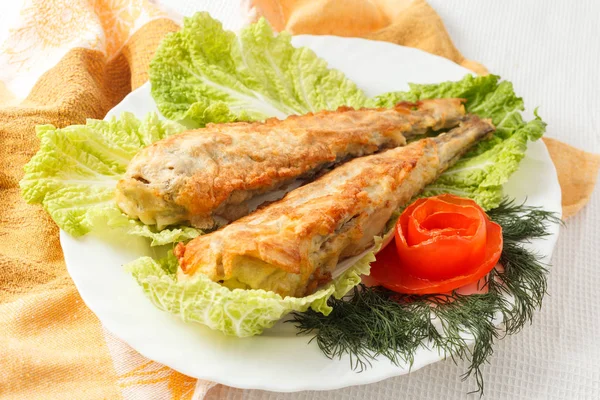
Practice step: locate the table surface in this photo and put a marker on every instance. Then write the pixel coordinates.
(550, 50)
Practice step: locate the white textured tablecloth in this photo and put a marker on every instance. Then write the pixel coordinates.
(550, 50)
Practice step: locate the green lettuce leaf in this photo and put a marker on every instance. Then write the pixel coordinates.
(236, 312)
(75, 172)
(481, 173)
(204, 73)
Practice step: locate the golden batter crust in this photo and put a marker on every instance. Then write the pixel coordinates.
(288, 245)
(200, 174)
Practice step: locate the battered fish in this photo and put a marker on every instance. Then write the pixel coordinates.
(210, 173)
(291, 246)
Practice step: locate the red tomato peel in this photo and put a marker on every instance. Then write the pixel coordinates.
(441, 244)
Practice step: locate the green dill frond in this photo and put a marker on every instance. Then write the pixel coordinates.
(520, 222)
(373, 321)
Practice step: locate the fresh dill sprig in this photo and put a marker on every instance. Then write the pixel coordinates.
(373, 321)
(510, 216)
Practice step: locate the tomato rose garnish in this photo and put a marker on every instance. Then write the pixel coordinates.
(441, 243)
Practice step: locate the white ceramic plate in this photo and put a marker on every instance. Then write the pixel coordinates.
(278, 360)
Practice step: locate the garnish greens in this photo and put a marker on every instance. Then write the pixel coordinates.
(374, 321)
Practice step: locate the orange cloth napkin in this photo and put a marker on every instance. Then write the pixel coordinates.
(65, 62)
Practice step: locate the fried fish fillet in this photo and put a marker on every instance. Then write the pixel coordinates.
(213, 172)
(292, 246)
